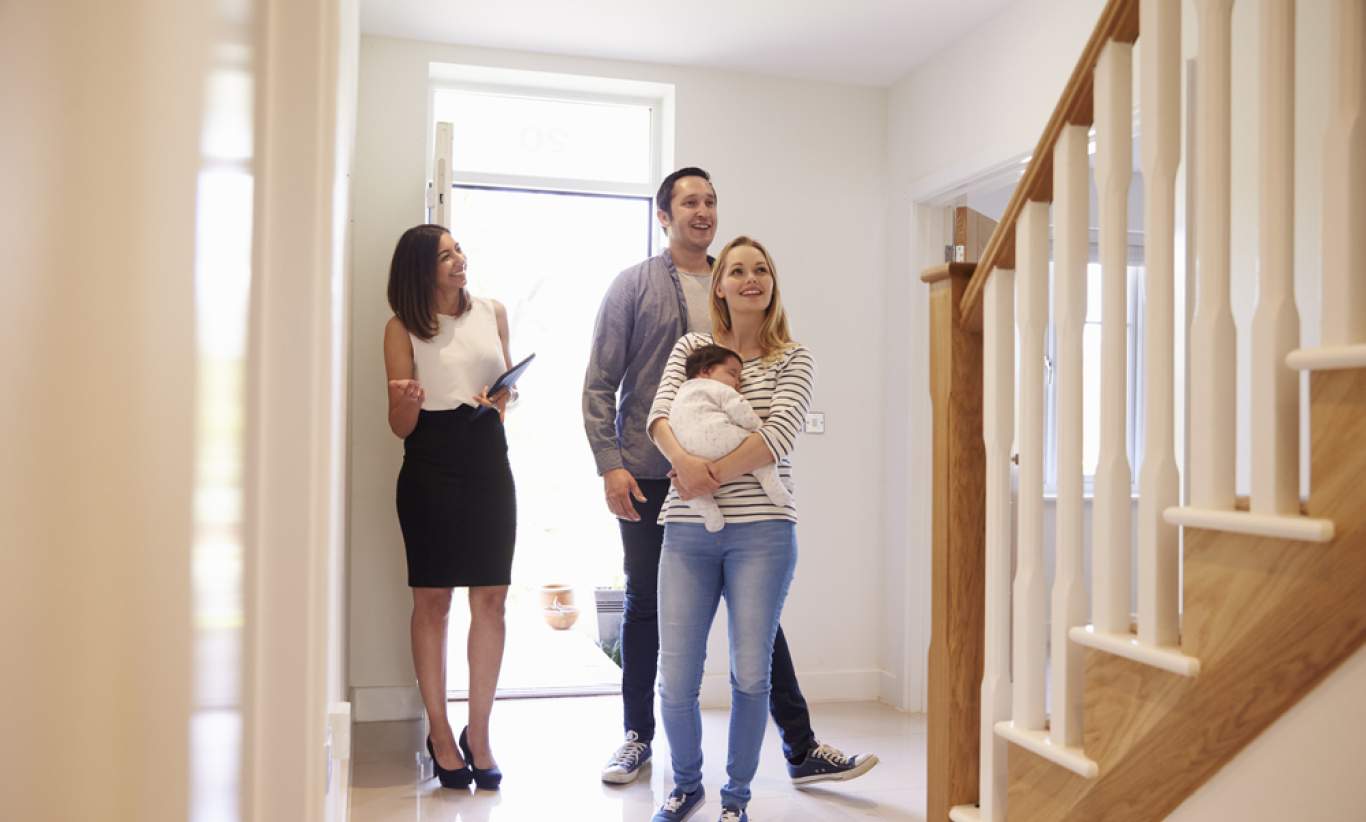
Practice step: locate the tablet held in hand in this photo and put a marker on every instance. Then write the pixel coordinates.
(506, 380)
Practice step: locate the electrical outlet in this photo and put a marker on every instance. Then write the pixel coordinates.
(815, 423)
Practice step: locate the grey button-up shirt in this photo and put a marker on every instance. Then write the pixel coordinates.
(643, 314)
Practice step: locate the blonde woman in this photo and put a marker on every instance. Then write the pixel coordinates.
(751, 560)
(644, 312)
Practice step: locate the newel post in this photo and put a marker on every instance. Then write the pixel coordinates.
(958, 550)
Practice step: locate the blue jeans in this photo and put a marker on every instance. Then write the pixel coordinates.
(751, 565)
(643, 541)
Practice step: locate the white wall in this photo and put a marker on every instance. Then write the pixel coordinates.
(1307, 765)
(799, 165)
(976, 105)
(985, 100)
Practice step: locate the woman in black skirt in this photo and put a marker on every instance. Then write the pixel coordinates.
(456, 502)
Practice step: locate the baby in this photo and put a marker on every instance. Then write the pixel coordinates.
(710, 419)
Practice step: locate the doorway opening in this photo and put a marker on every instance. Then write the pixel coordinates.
(549, 192)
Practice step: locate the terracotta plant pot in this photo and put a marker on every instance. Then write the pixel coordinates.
(553, 593)
(561, 617)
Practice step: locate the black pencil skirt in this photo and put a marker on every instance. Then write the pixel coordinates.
(457, 505)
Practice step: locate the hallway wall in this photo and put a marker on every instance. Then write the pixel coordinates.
(979, 103)
(798, 165)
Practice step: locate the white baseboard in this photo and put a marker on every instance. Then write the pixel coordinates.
(337, 806)
(817, 686)
(890, 691)
(386, 704)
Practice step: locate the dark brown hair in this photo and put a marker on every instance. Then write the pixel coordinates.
(706, 357)
(412, 275)
(665, 196)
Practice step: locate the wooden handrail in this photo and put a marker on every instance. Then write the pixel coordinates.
(1119, 21)
(934, 274)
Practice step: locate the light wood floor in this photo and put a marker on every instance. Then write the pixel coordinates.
(551, 751)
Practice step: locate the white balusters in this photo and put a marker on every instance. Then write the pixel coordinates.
(998, 431)
(1275, 412)
(1013, 693)
(1158, 548)
(1061, 742)
(1110, 545)
(1071, 240)
(1213, 423)
(1344, 188)
(1029, 645)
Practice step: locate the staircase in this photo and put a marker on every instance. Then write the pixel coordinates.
(1266, 617)
(1242, 605)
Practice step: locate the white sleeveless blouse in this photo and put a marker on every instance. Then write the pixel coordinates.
(465, 355)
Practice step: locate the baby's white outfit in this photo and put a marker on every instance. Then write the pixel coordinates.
(710, 419)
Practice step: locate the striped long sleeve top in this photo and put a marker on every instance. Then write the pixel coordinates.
(780, 393)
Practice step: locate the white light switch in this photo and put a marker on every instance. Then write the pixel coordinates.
(815, 423)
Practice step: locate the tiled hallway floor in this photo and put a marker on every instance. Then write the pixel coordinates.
(551, 751)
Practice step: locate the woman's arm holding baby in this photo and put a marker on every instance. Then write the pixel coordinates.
(751, 454)
(776, 438)
(692, 475)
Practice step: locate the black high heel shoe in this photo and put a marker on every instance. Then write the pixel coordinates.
(487, 778)
(458, 778)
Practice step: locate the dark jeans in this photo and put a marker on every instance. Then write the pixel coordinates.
(643, 541)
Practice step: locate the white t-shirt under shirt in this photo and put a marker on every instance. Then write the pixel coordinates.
(465, 355)
(697, 293)
(779, 391)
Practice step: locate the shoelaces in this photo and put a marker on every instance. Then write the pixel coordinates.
(729, 815)
(628, 754)
(675, 801)
(832, 755)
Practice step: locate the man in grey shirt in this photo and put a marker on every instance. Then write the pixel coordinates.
(644, 312)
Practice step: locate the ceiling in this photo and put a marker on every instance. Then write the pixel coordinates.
(865, 42)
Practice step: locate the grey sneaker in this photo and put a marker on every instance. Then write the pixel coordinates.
(825, 763)
(625, 764)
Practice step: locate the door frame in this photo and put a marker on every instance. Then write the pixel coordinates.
(294, 479)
